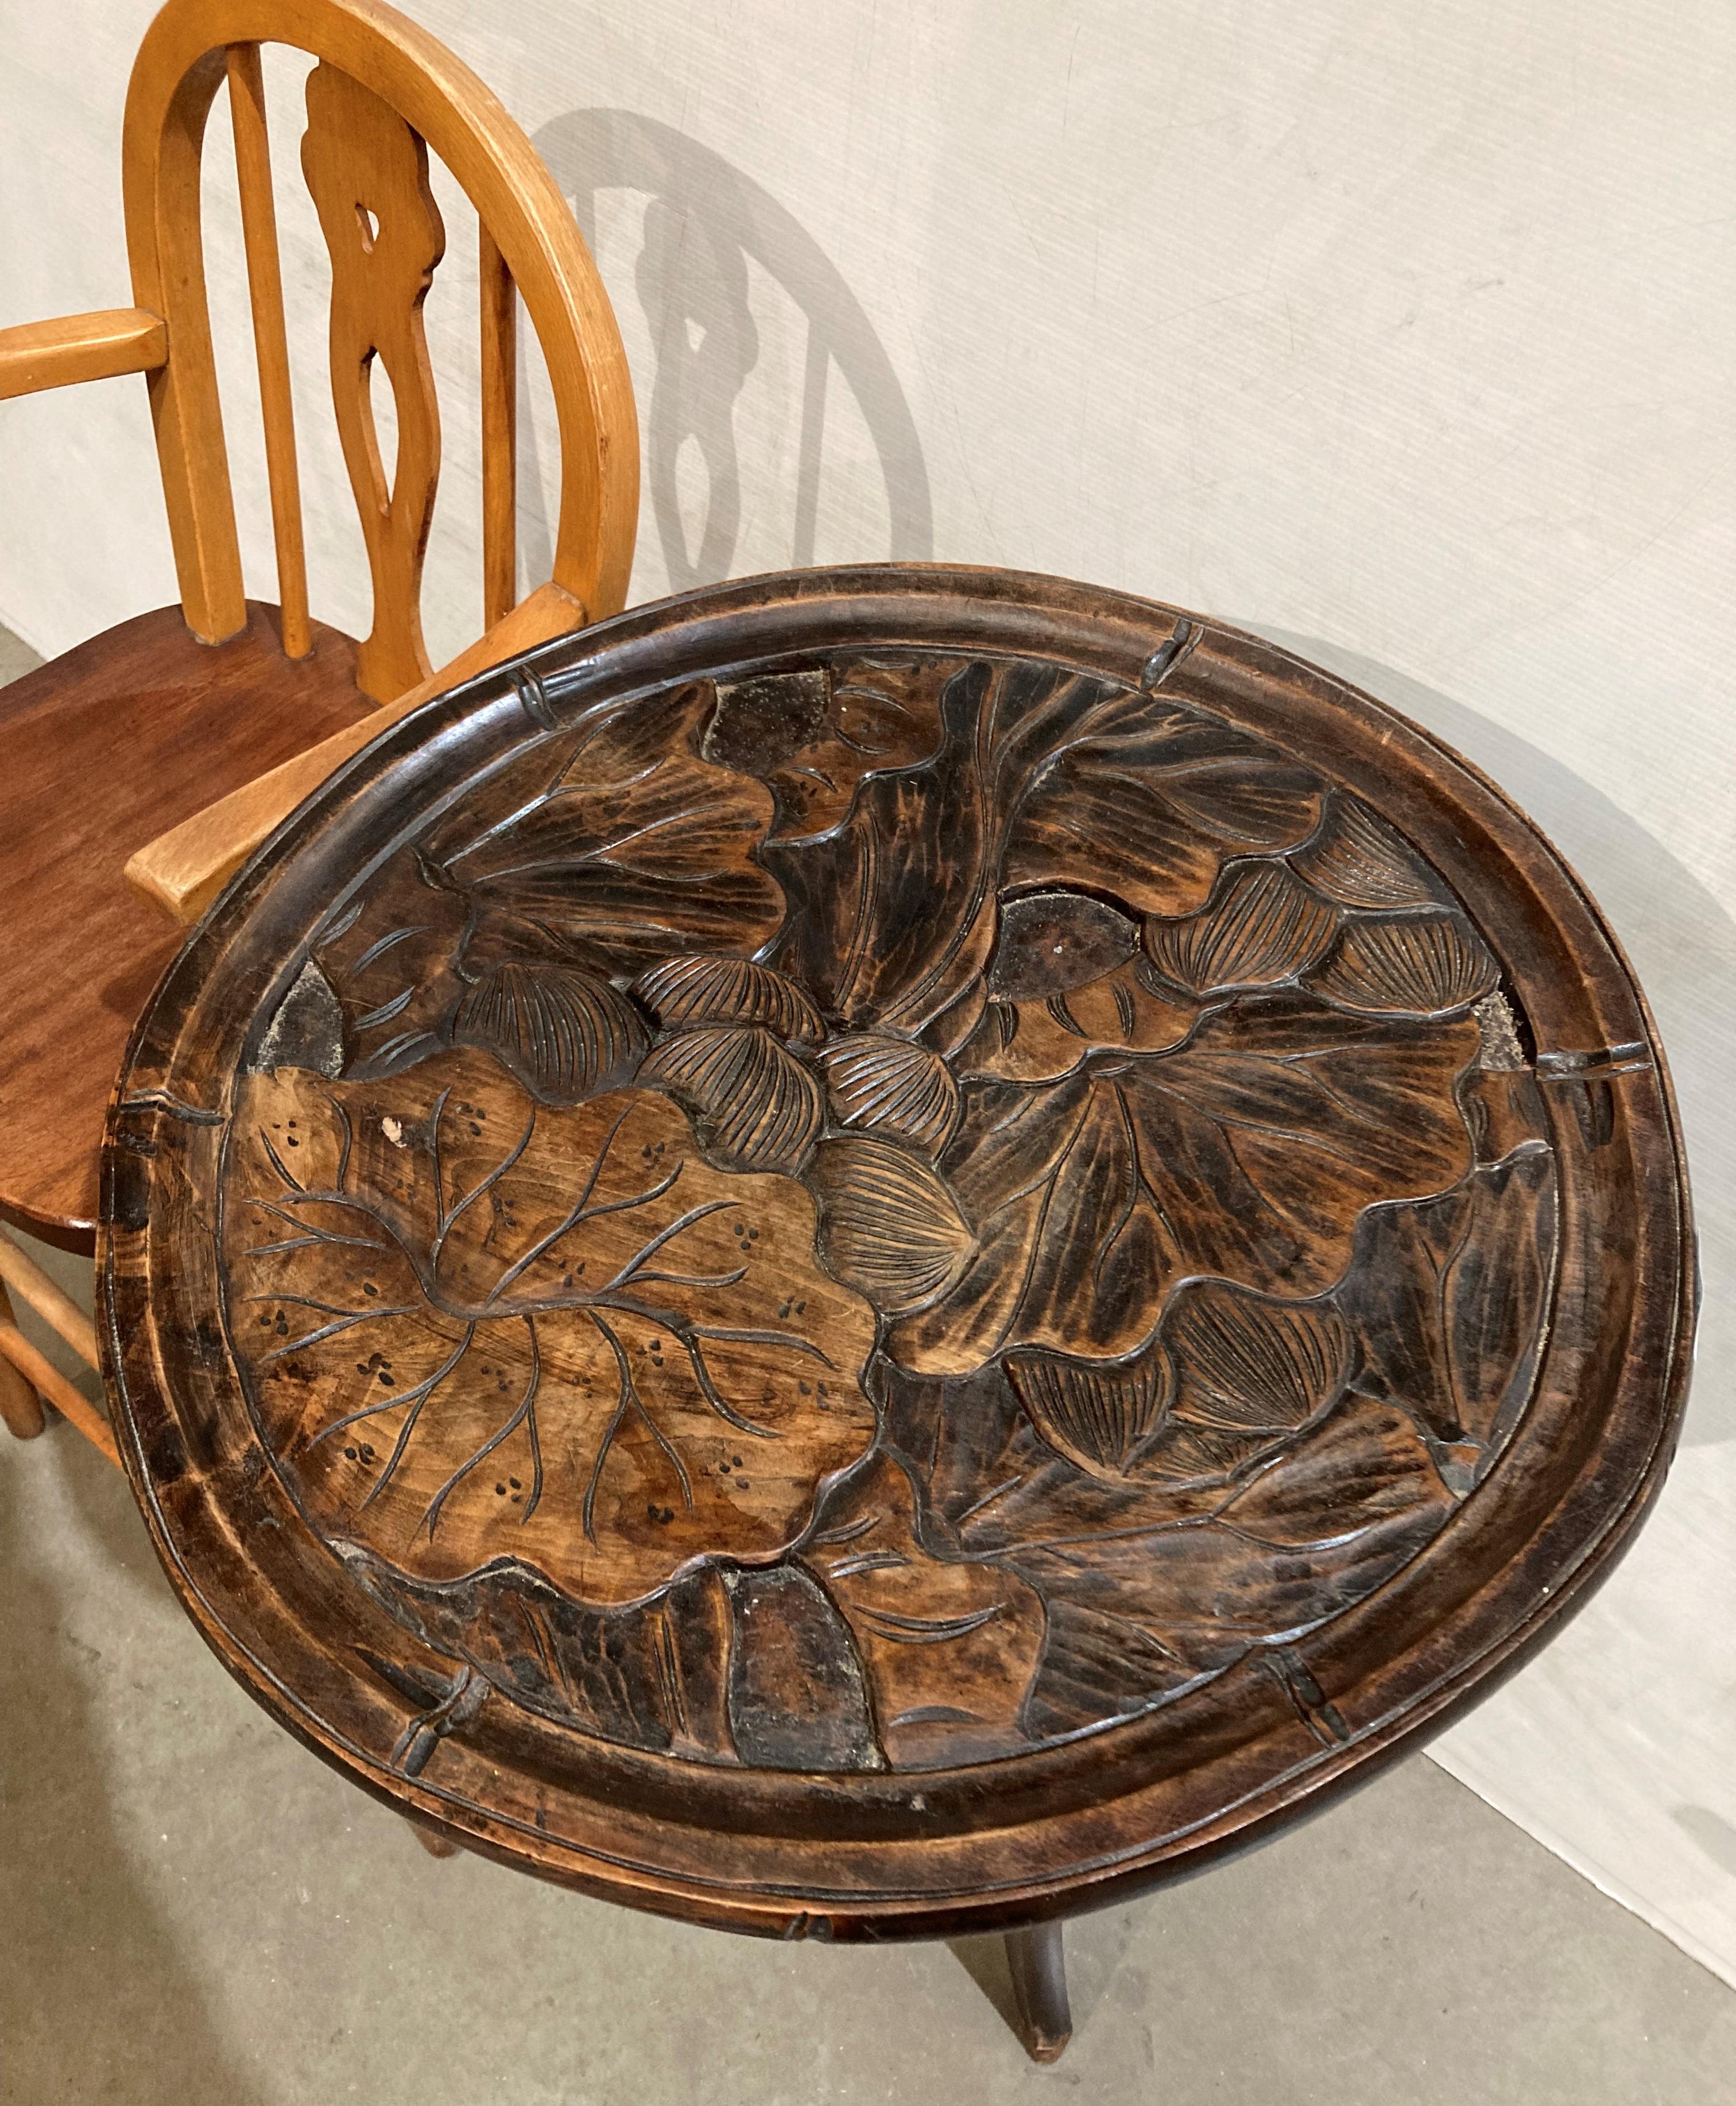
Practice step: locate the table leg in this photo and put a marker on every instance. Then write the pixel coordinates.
(1039, 1989)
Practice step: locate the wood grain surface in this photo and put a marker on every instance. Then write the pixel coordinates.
(884, 1250)
(183, 869)
(369, 50)
(367, 173)
(84, 949)
(75, 347)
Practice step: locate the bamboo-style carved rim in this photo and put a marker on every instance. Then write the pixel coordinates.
(1079, 1821)
(181, 64)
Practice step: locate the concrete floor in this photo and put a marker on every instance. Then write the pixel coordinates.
(194, 1909)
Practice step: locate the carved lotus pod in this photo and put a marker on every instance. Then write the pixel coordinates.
(1098, 1417)
(888, 1227)
(681, 992)
(565, 1034)
(1422, 965)
(1245, 1363)
(888, 1085)
(1357, 859)
(1262, 926)
(757, 1106)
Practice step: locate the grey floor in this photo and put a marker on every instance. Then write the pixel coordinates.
(193, 1910)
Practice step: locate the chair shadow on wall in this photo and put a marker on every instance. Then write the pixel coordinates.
(704, 220)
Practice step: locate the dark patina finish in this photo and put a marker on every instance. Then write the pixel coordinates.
(885, 1252)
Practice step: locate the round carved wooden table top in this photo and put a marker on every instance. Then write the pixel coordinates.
(886, 1250)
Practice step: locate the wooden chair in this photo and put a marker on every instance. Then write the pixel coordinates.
(138, 730)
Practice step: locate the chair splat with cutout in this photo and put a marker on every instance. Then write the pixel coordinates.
(226, 710)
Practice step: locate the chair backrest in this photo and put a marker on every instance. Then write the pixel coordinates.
(383, 93)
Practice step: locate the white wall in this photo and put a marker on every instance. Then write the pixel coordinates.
(1402, 331)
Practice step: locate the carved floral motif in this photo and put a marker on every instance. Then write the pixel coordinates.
(979, 1190)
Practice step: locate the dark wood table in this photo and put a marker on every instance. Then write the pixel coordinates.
(891, 1252)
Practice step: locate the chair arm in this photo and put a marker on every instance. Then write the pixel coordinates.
(184, 869)
(73, 347)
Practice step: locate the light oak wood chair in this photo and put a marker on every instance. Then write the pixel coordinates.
(139, 729)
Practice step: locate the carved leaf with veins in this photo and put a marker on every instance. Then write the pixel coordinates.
(474, 1328)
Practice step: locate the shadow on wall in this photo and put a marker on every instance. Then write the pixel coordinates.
(1683, 946)
(703, 222)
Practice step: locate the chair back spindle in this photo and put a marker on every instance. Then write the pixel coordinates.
(382, 96)
(500, 384)
(252, 157)
(367, 173)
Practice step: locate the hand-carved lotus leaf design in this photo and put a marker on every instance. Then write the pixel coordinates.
(888, 1226)
(681, 992)
(565, 1034)
(653, 1674)
(1413, 965)
(1048, 778)
(1248, 1364)
(757, 1108)
(1127, 1010)
(812, 735)
(1143, 798)
(950, 1645)
(890, 1086)
(1358, 860)
(1230, 1372)
(1068, 977)
(1099, 1416)
(388, 957)
(475, 1329)
(880, 1209)
(1449, 1297)
(1134, 1614)
(635, 843)
(1249, 1152)
(1262, 926)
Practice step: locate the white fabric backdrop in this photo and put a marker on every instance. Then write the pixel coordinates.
(1402, 331)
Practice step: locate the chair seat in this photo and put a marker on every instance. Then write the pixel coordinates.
(100, 750)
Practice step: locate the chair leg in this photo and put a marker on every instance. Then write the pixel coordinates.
(20, 1406)
(1039, 1988)
(27, 1279)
